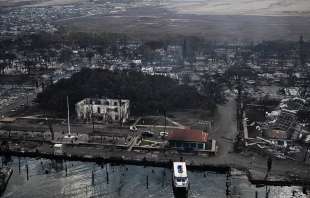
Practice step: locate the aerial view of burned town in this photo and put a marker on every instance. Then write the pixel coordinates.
(155, 98)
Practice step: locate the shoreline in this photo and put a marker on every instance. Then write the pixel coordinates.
(116, 160)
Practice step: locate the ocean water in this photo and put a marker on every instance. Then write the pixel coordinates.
(48, 178)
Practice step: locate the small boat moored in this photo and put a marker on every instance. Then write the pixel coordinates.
(180, 182)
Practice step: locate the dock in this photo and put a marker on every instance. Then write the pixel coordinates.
(280, 175)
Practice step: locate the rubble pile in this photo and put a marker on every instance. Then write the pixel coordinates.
(281, 134)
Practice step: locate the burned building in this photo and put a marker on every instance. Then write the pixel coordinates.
(104, 110)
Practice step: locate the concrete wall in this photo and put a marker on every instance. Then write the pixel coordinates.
(190, 146)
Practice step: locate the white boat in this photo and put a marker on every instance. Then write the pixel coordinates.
(180, 182)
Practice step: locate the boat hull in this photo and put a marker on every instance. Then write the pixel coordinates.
(180, 192)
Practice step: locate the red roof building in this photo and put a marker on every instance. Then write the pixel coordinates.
(188, 140)
(188, 135)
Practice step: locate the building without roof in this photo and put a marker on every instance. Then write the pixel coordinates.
(105, 110)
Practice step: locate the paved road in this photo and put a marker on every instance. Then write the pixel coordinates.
(225, 127)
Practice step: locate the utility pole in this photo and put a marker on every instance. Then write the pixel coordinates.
(50, 126)
(307, 150)
(92, 119)
(165, 114)
(69, 130)
(27, 98)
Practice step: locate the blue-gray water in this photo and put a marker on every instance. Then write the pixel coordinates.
(124, 181)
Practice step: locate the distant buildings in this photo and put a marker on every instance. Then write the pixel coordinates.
(105, 110)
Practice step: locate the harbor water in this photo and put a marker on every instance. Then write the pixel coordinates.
(48, 178)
